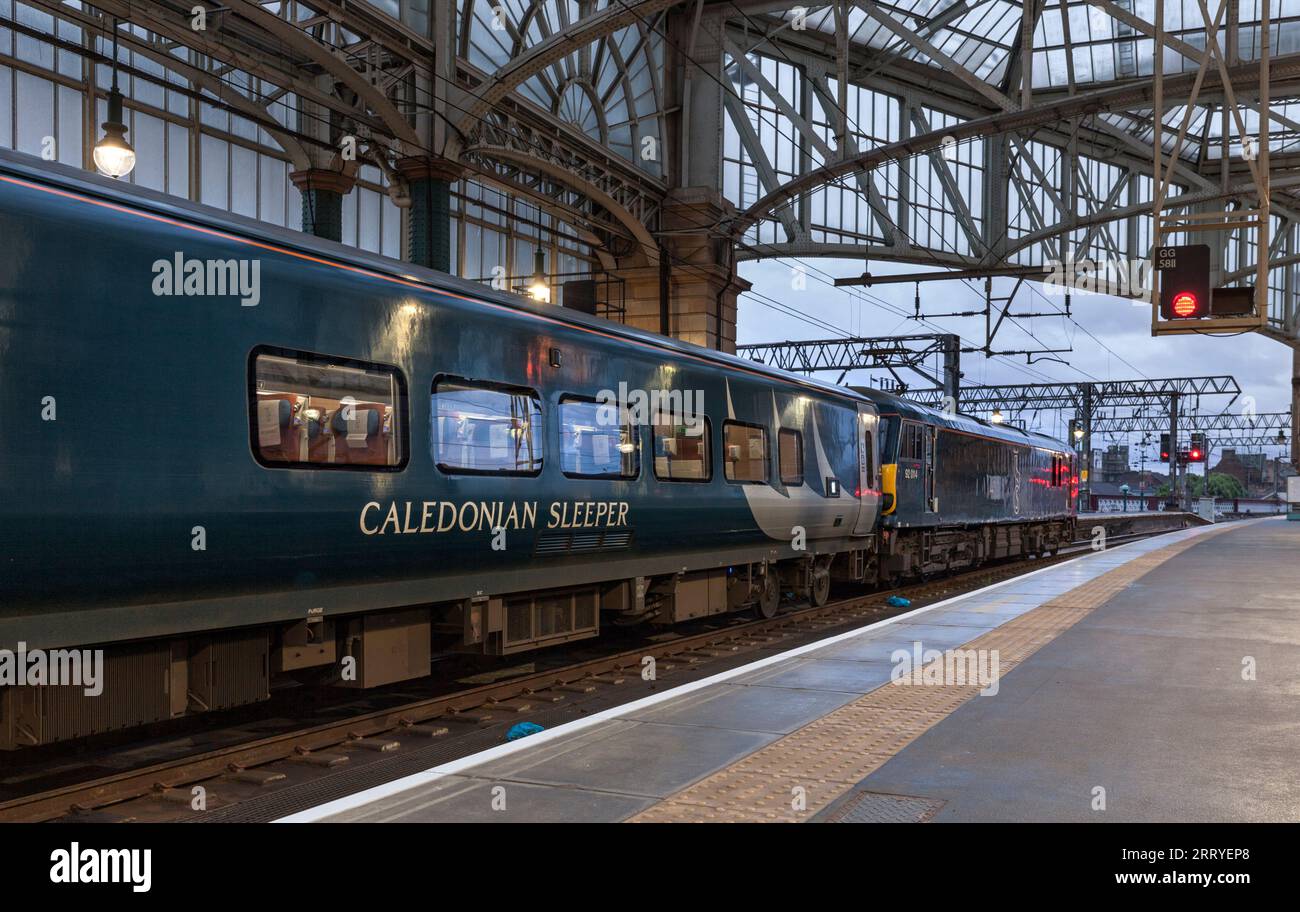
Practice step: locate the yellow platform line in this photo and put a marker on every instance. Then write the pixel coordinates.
(796, 776)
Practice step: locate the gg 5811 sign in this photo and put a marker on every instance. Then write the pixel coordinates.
(1184, 281)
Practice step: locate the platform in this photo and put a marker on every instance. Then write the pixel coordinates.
(1122, 671)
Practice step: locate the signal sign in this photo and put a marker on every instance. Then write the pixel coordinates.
(1197, 452)
(1185, 305)
(1164, 447)
(1184, 281)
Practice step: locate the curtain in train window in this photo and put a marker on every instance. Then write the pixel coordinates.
(681, 448)
(790, 456)
(315, 411)
(486, 428)
(597, 440)
(745, 453)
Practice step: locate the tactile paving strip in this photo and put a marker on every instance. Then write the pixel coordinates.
(795, 777)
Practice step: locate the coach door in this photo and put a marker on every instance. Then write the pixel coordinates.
(868, 470)
(930, 433)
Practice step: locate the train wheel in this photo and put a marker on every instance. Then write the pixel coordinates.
(820, 590)
(769, 600)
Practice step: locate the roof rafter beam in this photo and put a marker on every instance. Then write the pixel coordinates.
(334, 63)
(1122, 97)
(929, 50)
(605, 21)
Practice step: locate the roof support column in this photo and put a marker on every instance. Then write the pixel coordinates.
(690, 292)
(1295, 406)
(322, 200)
(429, 222)
(330, 175)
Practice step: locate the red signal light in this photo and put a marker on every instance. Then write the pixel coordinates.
(1185, 304)
(1196, 454)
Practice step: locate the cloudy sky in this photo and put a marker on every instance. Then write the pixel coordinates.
(1123, 348)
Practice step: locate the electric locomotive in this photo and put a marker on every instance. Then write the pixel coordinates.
(959, 491)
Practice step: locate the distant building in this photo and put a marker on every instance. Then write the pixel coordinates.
(1232, 464)
(1114, 463)
(1105, 497)
(1255, 471)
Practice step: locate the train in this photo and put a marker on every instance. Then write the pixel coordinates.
(234, 455)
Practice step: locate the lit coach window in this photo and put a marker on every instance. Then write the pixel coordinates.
(597, 440)
(745, 457)
(681, 447)
(486, 428)
(320, 411)
(790, 456)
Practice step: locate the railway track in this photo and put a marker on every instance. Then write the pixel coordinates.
(235, 781)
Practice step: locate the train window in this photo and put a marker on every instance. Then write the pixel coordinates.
(681, 448)
(316, 411)
(790, 456)
(912, 445)
(870, 453)
(745, 452)
(486, 428)
(597, 440)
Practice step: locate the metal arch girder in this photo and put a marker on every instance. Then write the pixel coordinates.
(1125, 96)
(414, 50)
(333, 63)
(565, 175)
(1174, 43)
(165, 23)
(949, 183)
(518, 112)
(618, 14)
(956, 96)
(890, 231)
(732, 101)
(806, 247)
(566, 210)
(923, 45)
(201, 78)
(1123, 212)
(750, 142)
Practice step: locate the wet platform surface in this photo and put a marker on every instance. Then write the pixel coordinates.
(1144, 698)
(1138, 692)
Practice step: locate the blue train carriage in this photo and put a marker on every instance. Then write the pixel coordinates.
(958, 491)
(234, 453)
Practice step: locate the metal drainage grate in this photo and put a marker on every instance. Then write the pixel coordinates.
(877, 807)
